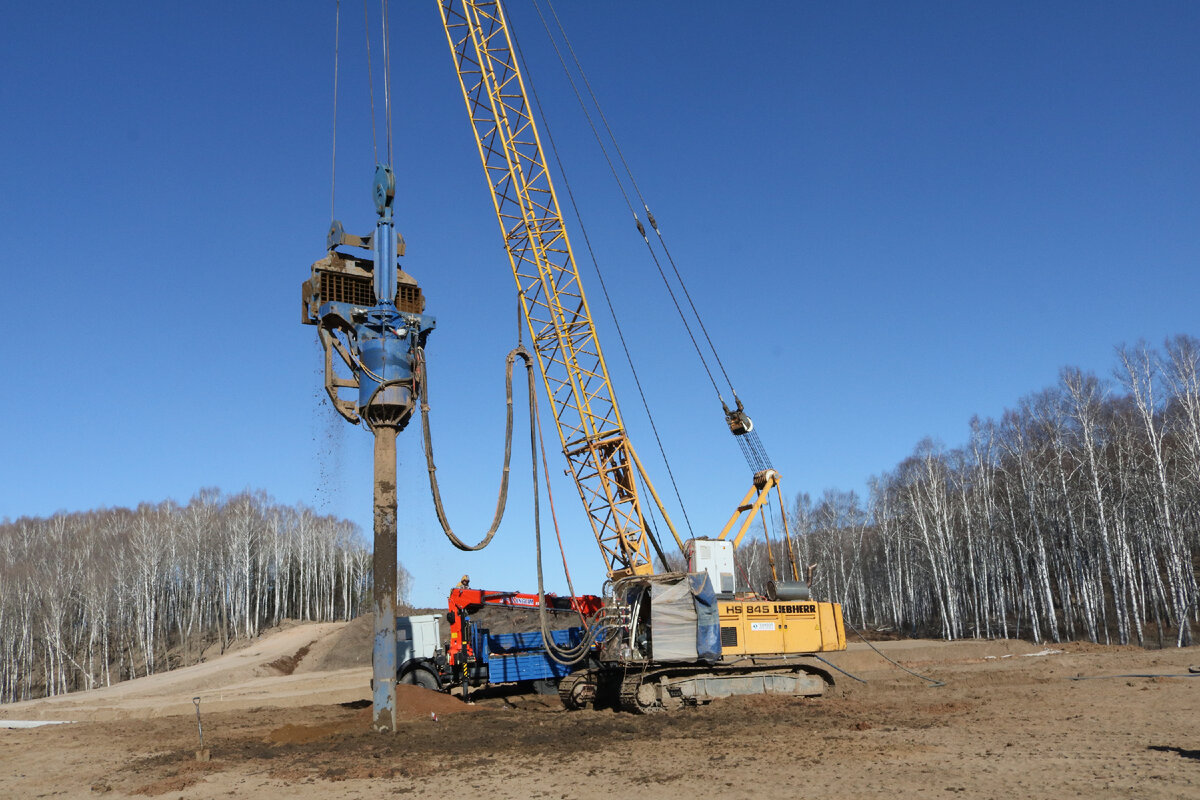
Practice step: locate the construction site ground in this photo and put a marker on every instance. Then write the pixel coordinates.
(287, 716)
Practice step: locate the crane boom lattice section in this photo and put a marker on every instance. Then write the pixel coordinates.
(555, 307)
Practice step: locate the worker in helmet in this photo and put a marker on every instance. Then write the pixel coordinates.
(465, 583)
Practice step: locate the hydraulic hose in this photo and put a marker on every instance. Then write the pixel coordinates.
(571, 654)
(502, 500)
(563, 655)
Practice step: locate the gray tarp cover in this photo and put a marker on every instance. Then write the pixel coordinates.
(673, 621)
(683, 617)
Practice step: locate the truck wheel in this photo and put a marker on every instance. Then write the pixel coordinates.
(419, 676)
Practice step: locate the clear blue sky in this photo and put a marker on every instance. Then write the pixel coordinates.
(893, 216)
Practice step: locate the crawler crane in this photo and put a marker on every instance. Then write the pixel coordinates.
(669, 639)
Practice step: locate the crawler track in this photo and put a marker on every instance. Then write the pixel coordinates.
(655, 689)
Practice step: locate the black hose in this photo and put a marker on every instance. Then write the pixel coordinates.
(1138, 675)
(502, 500)
(933, 683)
(829, 663)
(565, 655)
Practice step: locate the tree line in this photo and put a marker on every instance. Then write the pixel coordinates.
(91, 598)
(1076, 515)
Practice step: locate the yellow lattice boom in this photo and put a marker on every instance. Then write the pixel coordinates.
(605, 468)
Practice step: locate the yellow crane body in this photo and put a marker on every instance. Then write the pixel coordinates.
(760, 640)
(759, 627)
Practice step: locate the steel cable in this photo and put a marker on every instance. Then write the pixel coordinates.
(753, 450)
(554, 516)
(387, 84)
(569, 655)
(603, 285)
(637, 189)
(933, 683)
(1138, 675)
(370, 81)
(337, 39)
(641, 229)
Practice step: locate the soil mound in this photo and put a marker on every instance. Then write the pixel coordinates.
(349, 647)
(1011, 726)
(286, 665)
(412, 702)
(416, 701)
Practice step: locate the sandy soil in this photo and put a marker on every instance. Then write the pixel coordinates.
(1010, 721)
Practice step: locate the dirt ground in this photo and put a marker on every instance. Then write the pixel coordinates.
(1010, 721)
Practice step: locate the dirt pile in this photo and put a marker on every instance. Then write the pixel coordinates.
(1016, 726)
(272, 670)
(286, 665)
(351, 646)
(499, 619)
(415, 701)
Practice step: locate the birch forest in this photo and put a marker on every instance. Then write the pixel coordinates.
(1076, 515)
(89, 599)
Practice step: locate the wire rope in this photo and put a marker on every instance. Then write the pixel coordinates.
(387, 79)
(636, 188)
(1137, 675)
(570, 654)
(770, 514)
(781, 531)
(652, 532)
(628, 203)
(748, 439)
(337, 39)
(751, 445)
(933, 682)
(829, 663)
(603, 284)
(370, 82)
(554, 516)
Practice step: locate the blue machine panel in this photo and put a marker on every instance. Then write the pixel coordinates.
(522, 656)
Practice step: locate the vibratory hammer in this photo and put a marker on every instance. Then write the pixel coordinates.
(370, 313)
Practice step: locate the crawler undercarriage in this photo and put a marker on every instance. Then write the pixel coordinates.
(648, 688)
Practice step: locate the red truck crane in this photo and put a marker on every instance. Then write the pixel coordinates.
(493, 650)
